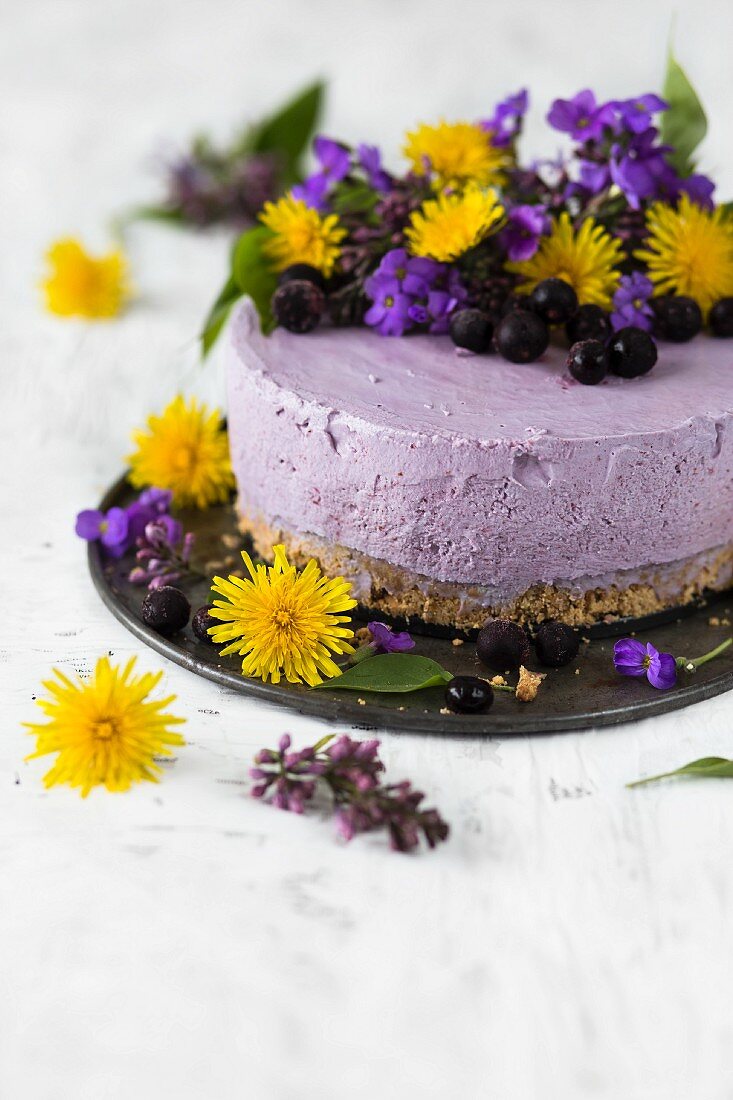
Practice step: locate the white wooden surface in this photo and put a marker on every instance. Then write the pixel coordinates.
(573, 938)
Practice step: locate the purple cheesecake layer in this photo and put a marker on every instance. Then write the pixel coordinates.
(471, 470)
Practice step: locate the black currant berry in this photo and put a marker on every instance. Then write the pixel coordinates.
(302, 271)
(166, 610)
(677, 318)
(298, 305)
(588, 362)
(502, 645)
(468, 694)
(632, 352)
(471, 329)
(521, 336)
(589, 323)
(721, 318)
(556, 644)
(201, 622)
(554, 300)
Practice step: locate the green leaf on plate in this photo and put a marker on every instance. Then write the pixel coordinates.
(684, 125)
(393, 672)
(218, 314)
(708, 767)
(289, 131)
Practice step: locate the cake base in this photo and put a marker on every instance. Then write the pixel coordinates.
(583, 695)
(400, 594)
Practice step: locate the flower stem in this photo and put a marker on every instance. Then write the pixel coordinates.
(651, 779)
(691, 664)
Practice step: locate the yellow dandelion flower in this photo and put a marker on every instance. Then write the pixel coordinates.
(587, 258)
(186, 450)
(301, 235)
(689, 251)
(80, 285)
(456, 153)
(445, 227)
(283, 622)
(106, 731)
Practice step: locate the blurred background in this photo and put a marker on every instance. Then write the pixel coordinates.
(96, 95)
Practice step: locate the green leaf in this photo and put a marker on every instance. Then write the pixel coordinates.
(684, 125)
(252, 273)
(394, 672)
(727, 208)
(218, 314)
(289, 131)
(354, 198)
(708, 767)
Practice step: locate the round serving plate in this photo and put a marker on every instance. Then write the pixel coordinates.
(585, 694)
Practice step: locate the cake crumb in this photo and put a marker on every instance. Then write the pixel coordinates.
(363, 635)
(457, 641)
(713, 621)
(232, 542)
(497, 680)
(400, 708)
(577, 672)
(373, 379)
(529, 684)
(444, 710)
(361, 702)
(585, 641)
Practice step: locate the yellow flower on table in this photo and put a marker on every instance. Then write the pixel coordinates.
(106, 732)
(456, 153)
(283, 622)
(81, 285)
(445, 227)
(586, 257)
(689, 251)
(301, 235)
(186, 450)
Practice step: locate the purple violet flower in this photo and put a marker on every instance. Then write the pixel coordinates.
(635, 115)
(525, 225)
(370, 159)
(699, 188)
(631, 302)
(632, 658)
(593, 177)
(389, 313)
(149, 505)
(581, 116)
(385, 640)
(505, 125)
(333, 157)
(312, 191)
(641, 171)
(111, 529)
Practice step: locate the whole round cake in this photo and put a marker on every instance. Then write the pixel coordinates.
(482, 388)
(451, 487)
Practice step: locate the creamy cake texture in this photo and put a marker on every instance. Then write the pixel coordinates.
(450, 486)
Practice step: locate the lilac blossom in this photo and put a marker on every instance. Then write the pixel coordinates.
(631, 302)
(351, 772)
(525, 225)
(149, 505)
(633, 658)
(505, 125)
(699, 188)
(593, 177)
(109, 528)
(581, 116)
(335, 161)
(163, 554)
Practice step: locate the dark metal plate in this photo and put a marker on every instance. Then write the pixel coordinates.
(585, 694)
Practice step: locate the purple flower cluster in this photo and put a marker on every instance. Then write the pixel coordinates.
(205, 188)
(351, 771)
(408, 291)
(118, 529)
(163, 550)
(618, 143)
(524, 227)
